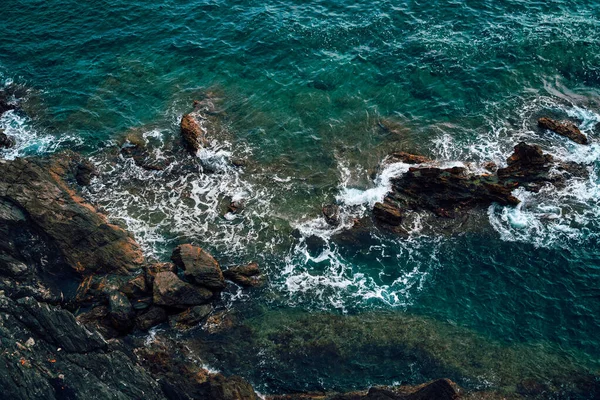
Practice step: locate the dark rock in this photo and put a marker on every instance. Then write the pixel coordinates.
(218, 387)
(120, 312)
(136, 287)
(83, 237)
(407, 158)
(190, 318)
(135, 147)
(6, 142)
(443, 192)
(315, 245)
(62, 359)
(192, 133)
(151, 317)
(563, 128)
(85, 172)
(5, 106)
(244, 275)
(490, 166)
(321, 85)
(527, 165)
(153, 269)
(199, 266)
(171, 291)
(438, 390)
(331, 212)
(532, 387)
(387, 214)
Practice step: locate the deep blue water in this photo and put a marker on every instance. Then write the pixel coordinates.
(304, 89)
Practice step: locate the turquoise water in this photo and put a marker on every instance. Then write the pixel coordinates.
(304, 92)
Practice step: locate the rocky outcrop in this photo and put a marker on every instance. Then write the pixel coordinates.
(452, 191)
(331, 213)
(6, 142)
(82, 238)
(171, 291)
(47, 354)
(199, 266)
(563, 128)
(245, 275)
(192, 134)
(135, 147)
(401, 156)
(443, 192)
(441, 389)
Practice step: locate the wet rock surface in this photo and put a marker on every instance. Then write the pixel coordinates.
(192, 133)
(6, 142)
(199, 266)
(563, 128)
(84, 240)
(171, 291)
(245, 275)
(452, 192)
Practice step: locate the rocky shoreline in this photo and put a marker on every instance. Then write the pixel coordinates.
(76, 291)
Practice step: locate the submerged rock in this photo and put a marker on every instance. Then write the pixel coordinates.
(191, 317)
(244, 275)
(199, 266)
(441, 389)
(171, 291)
(563, 128)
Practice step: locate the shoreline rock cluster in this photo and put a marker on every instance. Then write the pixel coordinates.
(75, 288)
(449, 192)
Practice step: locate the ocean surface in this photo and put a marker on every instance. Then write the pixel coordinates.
(313, 96)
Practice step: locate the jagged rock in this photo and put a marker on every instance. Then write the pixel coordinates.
(191, 317)
(387, 214)
(151, 317)
(527, 165)
(6, 142)
(563, 128)
(407, 158)
(5, 106)
(199, 266)
(192, 133)
(136, 287)
(84, 239)
(153, 269)
(120, 312)
(244, 275)
(135, 147)
(61, 359)
(171, 291)
(331, 212)
(85, 171)
(218, 387)
(445, 191)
